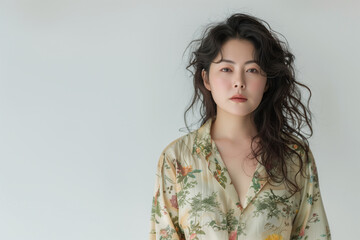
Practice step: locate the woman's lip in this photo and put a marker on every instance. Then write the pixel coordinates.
(239, 99)
(237, 96)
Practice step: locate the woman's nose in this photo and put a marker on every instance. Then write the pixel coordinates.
(239, 82)
(241, 85)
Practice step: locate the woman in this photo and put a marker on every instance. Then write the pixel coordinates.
(248, 171)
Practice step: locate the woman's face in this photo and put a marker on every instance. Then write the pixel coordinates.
(236, 74)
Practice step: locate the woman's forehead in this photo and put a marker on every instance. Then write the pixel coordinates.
(236, 50)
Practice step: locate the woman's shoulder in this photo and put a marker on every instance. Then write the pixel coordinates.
(297, 144)
(301, 157)
(180, 145)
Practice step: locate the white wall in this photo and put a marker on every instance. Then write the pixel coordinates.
(92, 91)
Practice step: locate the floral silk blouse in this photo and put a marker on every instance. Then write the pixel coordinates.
(194, 198)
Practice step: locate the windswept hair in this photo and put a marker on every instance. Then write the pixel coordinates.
(281, 116)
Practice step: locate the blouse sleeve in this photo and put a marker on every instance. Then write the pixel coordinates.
(164, 223)
(310, 221)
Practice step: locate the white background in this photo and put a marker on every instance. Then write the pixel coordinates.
(92, 91)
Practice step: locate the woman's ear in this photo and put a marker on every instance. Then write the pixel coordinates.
(205, 79)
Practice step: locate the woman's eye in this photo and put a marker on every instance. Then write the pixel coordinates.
(225, 70)
(252, 70)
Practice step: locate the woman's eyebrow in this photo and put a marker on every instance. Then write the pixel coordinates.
(232, 62)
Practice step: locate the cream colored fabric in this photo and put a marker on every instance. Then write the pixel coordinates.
(195, 199)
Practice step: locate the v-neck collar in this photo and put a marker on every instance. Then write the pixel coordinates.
(205, 146)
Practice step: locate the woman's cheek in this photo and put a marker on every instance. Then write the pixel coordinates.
(258, 86)
(219, 85)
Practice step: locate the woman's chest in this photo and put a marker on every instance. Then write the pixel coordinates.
(240, 166)
(208, 209)
(241, 174)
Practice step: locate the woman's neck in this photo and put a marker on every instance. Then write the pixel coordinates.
(233, 128)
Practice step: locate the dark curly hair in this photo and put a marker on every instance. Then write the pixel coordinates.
(281, 116)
